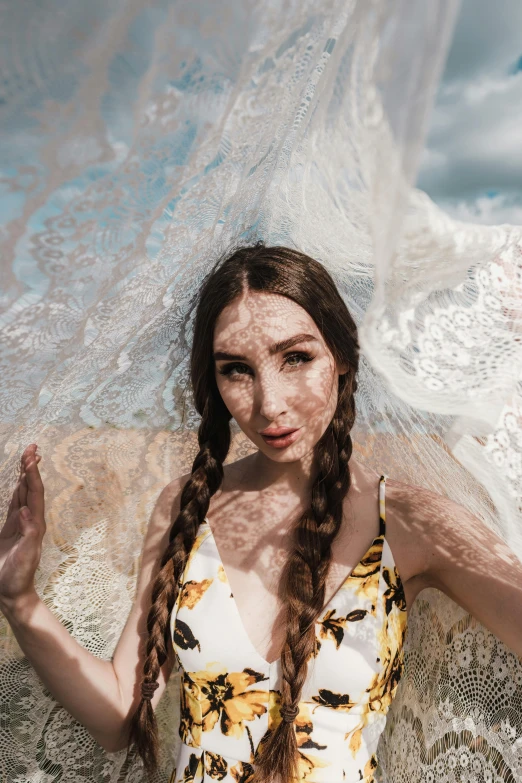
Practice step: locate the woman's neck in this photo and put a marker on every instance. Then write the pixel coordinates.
(258, 473)
(296, 476)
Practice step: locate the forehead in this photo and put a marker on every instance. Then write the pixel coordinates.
(257, 317)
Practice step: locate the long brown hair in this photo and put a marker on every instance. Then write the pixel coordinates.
(277, 270)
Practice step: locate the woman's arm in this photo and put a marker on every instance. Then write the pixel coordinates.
(102, 695)
(86, 686)
(469, 562)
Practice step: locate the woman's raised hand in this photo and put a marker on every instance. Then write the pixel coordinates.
(23, 531)
(98, 693)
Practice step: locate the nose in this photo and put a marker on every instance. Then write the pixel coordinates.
(270, 398)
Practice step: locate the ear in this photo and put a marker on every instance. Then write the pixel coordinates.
(342, 369)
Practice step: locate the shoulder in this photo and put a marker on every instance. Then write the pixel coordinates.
(461, 555)
(165, 510)
(168, 503)
(421, 524)
(171, 493)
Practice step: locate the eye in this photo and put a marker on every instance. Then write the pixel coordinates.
(235, 369)
(228, 369)
(301, 355)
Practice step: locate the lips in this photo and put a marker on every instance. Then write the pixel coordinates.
(287, 437)
(277, 432)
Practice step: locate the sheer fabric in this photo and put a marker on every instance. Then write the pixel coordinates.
(140, 141)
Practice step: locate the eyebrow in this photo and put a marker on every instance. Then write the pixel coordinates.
(273, 349)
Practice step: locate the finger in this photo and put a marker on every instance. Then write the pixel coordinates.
(28, 525)
(29, 451)
(11, 526)
(22, 491)
(19, 497)
(25, 454)
(15, 500)
(35, 490)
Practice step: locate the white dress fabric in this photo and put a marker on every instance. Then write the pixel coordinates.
(230, 695)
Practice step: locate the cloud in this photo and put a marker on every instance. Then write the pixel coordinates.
(474, 145)
(493, 210)
(486, 39)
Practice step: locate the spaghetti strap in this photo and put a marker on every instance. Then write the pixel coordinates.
(382, 506)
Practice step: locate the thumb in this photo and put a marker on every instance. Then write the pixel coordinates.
(27, 522)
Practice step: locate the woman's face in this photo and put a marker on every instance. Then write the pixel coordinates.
(267, 379)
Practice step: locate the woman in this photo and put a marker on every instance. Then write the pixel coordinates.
(279, 584)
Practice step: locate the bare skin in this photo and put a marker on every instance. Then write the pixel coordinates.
(253, 544)
(435, 541)
(263, 494)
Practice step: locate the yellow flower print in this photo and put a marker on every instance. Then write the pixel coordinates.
(242, 772)
(192, 771)
(183, 636)
(333, 627)
(354, 742)
(215, 766)
(365, 575)
(308, 763)
(337, 701)
(190, 713)
(224, 696)
(308, 766)
(386, 680)
(370, 767)
(394, 595)
(192, 592)
(304, 729)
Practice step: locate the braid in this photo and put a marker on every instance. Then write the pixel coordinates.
(304, 582)
(284, 272)
(205, 480)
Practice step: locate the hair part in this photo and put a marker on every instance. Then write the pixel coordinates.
(276, 270)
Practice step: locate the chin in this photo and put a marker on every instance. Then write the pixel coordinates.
(290, 454)
(286, 457)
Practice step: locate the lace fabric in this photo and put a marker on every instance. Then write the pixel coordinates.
(140, 140)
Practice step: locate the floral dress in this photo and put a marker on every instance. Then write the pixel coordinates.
(230, 696)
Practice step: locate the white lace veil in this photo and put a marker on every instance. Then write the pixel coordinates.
(140, 140)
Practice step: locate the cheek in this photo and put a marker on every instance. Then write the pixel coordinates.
(316, 392)
(237, 396)
(311, 392)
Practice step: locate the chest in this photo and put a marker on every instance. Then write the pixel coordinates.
(253, 552)
(260, 606)
(210, 634)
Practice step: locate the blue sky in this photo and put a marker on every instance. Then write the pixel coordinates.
(472, 162)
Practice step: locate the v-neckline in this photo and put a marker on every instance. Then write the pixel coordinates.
(326, 607)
